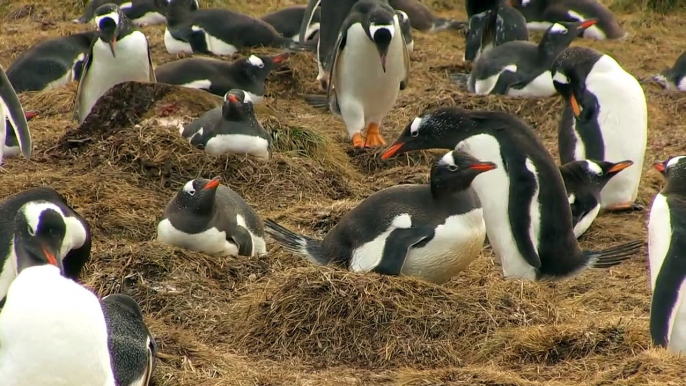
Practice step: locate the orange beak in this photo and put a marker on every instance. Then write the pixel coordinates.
(619, 166)
(575, 106)
(30, 114)
(212, 184)
(280, 57)
(233, 98)
(660, 167)
(588, 23)
(484, 167)
(51, 258)
(391, 151)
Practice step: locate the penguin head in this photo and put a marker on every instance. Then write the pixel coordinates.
(672, 167)
(39, 231)
(108, 20)
(255, 69)
(455, 171)
(427, 131)
(197, 196)
(380, 20)
(561, 34)
(595, 174)
(237, 105)
(569, 72)
(406, 28)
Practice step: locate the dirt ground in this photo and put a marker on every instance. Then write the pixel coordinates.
(280, 321)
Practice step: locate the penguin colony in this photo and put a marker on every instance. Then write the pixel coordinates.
(496, 180)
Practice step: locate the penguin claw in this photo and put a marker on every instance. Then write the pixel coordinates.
(358, 141)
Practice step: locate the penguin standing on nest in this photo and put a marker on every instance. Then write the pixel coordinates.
(53, 330)
(584, 180)
(363, 98)
(522, 68)
(605, 119)
(427, 231)
(673, 78)
(12, 114)
(526, 209)
(667, 256)
(541, 14)
(231, 129)
(120, 54)
(496, 25)
(208, 217)
(75, 243)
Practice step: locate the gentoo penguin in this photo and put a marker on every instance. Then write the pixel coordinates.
(605, 119)
(526, 210)
(140, 12)
(428, 231)
(208, 217)
(131, 345)
(406, 28)
(53, 331)
(363, 98)
(218, 76)
(230, 129)
(584, 180)
(673, 78)
(50, 64)
(287, 22)
(541, 14)
(217, 31)
(120, 54)
(12, 113)
(666, 234)
(495, 26)
(522, 68)
(12, 148)
(75, 244)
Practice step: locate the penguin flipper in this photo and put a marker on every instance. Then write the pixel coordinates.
(15, 114)
(397, 247)
(307, 19)
(152, 75)
(337, 49)
(85, 66)
(522, 196)
(506, 80)
(406, 64)
(243, 240)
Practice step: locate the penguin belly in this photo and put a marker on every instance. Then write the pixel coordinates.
(454, 246)
(659, 235)
(254, 145)
(493, 189)
(175, 46)
(106, 71)
(585, 222)
(210, 241)
(623, 122)
(53, 332)
(366, 93)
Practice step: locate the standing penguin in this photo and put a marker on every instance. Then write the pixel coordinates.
(541, 14)
(208, 217)
(495, 26)
(673, 78)
(584, 180)
(363, 98)
(237, 131)
(12, 113)
(521, 68)
(52, 329)
(219, 77)
(527, 213)
(605, 119)
(666, 248)
(429, 231)
(120, 54)
(75, 245)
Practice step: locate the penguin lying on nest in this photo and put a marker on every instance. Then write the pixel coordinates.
(427, 231)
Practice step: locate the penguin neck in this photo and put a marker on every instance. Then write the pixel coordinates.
(233, 112)
(549, 49)
(675, 185)
(442, 190)
(176, 11)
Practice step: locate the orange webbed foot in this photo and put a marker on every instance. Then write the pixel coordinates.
(374, 138)
(358, 141)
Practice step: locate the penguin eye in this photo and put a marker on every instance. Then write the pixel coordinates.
(30, 230)
(452, 168)
(415, 133)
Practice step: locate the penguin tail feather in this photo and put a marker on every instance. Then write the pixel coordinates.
(613, 256)
(445, 24)
(296, 243)
(317, 101)
(296, 46)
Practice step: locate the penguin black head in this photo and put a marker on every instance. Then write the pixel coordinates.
(237, 105)
(198, 196)
(477, 27)
(569, 72)
(379, 23)
(109, 19)
(595, 174)
(255, 69)
(561, 34)
(406, 28)
(39, 230)
(673, 167)
(455, 171)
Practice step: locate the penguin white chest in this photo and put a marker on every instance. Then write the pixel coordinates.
(175, 46)
(211, 241)
(238, 144)
(364, 91)
(455, 244)
(682, 84)
(582, 226)
(659, 235)
(106, 71)
(53, 332)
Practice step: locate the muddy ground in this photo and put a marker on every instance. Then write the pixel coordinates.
(279, 321)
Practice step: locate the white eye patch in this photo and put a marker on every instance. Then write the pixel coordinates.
(255, 61)
(414, 127)
(402, 16)
(373, 28)
(33, 210)
(592, 166)
(558, 28)
(188, 188)
(674, 161)
(560, 78)
(114, 16)
(449, 160)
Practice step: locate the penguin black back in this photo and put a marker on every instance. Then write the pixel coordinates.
(287, 21)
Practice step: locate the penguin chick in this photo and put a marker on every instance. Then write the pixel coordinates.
(427, 231)
(208, 217)
(584, 180)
